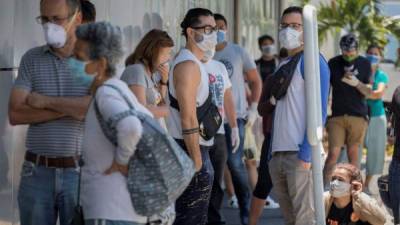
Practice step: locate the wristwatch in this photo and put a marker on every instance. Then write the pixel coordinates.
(163, 83)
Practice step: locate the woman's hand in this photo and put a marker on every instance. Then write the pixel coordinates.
(116, 167)
(163, 69)
(356, 189)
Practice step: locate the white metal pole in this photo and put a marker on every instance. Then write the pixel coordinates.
(313, 103)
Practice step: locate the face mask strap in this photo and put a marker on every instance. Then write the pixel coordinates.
(71, 21)
(198, 37)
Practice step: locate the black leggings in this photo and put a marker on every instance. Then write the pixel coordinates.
(264, 182)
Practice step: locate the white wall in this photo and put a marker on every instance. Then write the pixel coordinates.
(20, 32)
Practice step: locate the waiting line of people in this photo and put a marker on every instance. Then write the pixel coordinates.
(62, 86)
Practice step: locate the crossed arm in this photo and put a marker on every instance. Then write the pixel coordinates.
(28, 108)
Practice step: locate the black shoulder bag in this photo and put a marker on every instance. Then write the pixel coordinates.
(281, 79)
(207, 115)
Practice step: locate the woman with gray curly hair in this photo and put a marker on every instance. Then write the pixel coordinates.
(104, 194)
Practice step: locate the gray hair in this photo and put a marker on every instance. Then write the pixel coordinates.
(105, 40)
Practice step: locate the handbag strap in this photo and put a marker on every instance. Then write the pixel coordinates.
(81, 163)
(123, 95)
(109, 127)
(78, 198)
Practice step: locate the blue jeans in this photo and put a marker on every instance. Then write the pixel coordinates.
(46, 193)
(394, 187)
(239, 172)
(109, 222)
(218, 157)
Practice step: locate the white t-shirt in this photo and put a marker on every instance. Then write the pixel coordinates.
(174, 119)
(219, 83)
(107, 196)
(290, 116)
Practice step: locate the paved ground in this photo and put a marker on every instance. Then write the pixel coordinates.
(270, 217)
(274, 216)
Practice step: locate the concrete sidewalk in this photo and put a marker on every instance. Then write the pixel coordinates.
(274, 216)
(270, 217)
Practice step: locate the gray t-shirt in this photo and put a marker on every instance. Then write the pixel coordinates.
(136, 75)
(237, 62)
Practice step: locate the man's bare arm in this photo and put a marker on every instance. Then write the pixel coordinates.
(364, 89)
(255, 84)
(186, 81)
(229, 106)
(19, 112)
(75, 107)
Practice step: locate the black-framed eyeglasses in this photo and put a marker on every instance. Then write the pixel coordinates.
(55, 19)
(295, 26)
(207, 29)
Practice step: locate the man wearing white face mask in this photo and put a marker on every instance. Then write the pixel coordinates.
(241, 68)
(346, 204)
(188, 92)
(291, 152)
(221, 89)
(46, 97)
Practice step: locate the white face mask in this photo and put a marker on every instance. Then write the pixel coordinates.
(339, 189)
(208, 55)
(207, 42)
(268, 50)
(290, 38)
(55, 35)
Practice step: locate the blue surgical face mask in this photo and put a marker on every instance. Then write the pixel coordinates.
(221, 36)
(373, 59)
(78, 72)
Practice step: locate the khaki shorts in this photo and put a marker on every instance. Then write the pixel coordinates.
(346, 130)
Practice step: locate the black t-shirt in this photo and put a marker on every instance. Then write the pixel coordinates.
(347, 100)
(395, 107)
(342, 216)
(266, 67)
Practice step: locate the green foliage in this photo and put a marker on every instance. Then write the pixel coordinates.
(361, 17)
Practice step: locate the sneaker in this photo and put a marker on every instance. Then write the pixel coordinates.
(233, 202)
(271, 204)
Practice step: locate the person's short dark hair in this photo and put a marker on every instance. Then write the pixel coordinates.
(73, 5)
(88, 11)
(283, 53)
(348, 42)
(192, 18)
(371, 46)
(262, 38)
(218, 16)
(293, 9)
